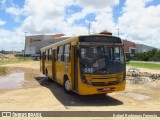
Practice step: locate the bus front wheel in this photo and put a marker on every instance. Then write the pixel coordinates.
(67, 86)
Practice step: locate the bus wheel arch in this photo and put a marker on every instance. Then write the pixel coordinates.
(66, 84)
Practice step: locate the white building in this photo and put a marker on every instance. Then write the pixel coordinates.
(35, 43)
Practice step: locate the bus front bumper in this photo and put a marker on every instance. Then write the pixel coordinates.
(87, 89)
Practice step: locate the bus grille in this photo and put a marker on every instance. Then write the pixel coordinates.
(105, 83)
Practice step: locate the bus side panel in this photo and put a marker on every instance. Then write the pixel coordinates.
(60, 72)
(55, 77)
(49, 68)
(46, 67)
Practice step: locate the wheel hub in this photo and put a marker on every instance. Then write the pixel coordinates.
(67, 85)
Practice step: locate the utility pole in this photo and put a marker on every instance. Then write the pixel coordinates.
(137, 47)
(118, 31)
(89, 26)
(25, 45)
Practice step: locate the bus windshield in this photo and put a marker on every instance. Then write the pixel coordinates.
(101, 59)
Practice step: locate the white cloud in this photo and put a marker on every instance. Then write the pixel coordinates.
(15, 11)
(104, 21)
(140, 23)
(48, 17)
(136, 23)
(78, 16)
(97, 4)
(102, 10)
(2, 22)
(11, 40)
(45, 16)
(135, 5)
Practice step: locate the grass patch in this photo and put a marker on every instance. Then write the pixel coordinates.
(3, 70)
(19, 59)
(144, 65)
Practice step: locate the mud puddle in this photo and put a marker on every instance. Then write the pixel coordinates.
(135, 96)
(18, 80)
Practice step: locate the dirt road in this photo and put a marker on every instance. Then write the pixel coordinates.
(26, 89)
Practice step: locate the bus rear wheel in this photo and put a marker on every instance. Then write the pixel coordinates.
(67, 86)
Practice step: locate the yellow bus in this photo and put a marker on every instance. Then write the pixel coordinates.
(86, 64)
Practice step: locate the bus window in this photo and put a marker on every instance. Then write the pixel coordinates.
(46, 55)
(67, 53)
(60, 53)
(101, 59)
(116, 53)
(50, 54)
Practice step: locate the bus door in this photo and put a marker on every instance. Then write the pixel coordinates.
(43, 62)
(59, 65)
(53, 64)
(74, 71)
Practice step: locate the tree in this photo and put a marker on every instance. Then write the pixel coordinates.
(153, 55)
(2, 51)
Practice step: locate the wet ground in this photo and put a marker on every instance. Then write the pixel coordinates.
(18, 80)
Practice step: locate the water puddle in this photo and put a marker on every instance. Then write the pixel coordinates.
(135, 96)
(18, 80)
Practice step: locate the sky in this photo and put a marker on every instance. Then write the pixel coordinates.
(137, 20)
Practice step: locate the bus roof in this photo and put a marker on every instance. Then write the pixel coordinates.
(72, 39)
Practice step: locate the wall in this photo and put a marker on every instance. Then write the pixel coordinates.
(35, 43)
(128, 45)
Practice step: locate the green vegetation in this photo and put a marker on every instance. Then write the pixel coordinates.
(19, 59)
(3, 70)
(144, 65)
(153, 55)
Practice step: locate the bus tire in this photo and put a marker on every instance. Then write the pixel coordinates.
(67, 86)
